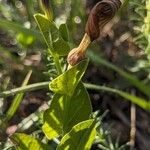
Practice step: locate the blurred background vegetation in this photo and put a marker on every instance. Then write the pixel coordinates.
(116, 59)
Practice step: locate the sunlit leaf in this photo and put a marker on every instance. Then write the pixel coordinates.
(61, 47)
(52, 36)
(45, 25)
(66, 111)
(81, 137)
(64, 32)
(26, 142)
(67, 82)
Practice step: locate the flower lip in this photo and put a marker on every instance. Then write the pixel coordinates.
(100, 15)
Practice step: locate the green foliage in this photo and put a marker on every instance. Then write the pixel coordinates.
(141, 19)
(26, 142)
(67, 117)
(46, 8)
(80, 137)
(106, 143)
(71, 98)
(67, 82)
(145, 104)
(66, 111)
(64, 32)
(52, 36)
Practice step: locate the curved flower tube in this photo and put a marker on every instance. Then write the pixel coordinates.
(99, 16)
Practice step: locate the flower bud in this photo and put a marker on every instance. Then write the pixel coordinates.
(78, 54)
(100, 15)
(75, 56)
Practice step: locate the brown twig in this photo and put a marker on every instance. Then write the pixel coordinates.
(133, 126)
(142, 140)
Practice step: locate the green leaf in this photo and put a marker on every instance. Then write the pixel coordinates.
(52, 36)
(61, 47)
(81, 137)
(67, 82)
(26, 142)
(65, 112)
(64, 32)
(46, 26)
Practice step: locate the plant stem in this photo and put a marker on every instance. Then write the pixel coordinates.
(145, 104)
(98, 87)
(137, 100)
(56, 61)
(41, 85)
(26, 88)
(18, 99)
(128, 76)
(57, 64)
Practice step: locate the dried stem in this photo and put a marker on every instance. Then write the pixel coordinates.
(133, 127)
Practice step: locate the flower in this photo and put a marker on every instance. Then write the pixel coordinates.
(99, 16)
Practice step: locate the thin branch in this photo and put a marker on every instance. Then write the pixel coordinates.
(43, 85)
(136, 100)
(133, 126)
(31, 87)
(58, 65)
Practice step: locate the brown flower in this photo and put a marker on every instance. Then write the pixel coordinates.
(99, 16)
(90, 4)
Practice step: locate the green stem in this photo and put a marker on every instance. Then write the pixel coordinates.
(26, 88)
(98, 87)
(58, 65)
(18, 99)
(137, 100)
(145, 104)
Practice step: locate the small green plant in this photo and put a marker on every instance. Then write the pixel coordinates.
(141, 20)
(69, 121)
(69, 114)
